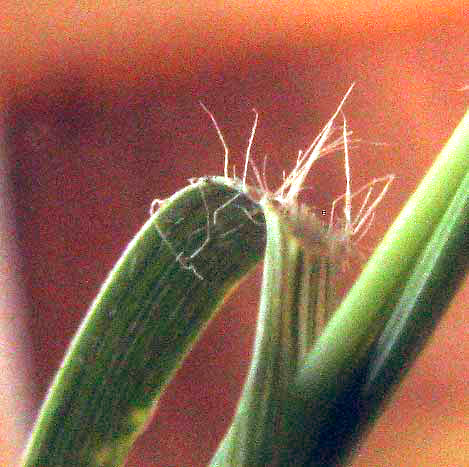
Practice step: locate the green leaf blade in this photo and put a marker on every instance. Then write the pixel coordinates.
(327, 402)
(145, 319)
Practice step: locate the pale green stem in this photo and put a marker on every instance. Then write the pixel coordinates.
(294, 306)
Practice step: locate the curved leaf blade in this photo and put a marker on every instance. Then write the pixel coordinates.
(154, 304)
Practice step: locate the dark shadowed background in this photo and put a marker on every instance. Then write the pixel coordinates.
(100, 115)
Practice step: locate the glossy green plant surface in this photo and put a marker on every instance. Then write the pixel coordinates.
(309, 394)
(160, 295)
(297, 298)
(326, 400)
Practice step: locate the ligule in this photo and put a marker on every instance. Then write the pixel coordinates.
(295, 305)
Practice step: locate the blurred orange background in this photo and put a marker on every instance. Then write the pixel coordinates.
(100, 114)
